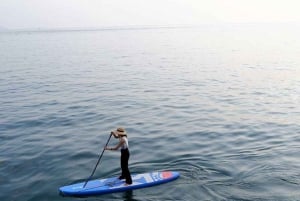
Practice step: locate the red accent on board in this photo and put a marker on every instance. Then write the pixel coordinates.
(166, 175)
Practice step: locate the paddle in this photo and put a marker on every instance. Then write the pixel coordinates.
(97, 162)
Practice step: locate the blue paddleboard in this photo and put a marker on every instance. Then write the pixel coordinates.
(113, 185)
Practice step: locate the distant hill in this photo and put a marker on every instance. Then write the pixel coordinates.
(3, 29)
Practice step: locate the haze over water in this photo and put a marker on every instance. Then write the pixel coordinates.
(219, 104)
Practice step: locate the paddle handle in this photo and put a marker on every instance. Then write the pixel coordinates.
(97, 162)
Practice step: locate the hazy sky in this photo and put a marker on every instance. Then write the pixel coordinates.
(97, 13)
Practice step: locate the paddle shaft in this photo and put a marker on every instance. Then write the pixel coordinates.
(97, 162)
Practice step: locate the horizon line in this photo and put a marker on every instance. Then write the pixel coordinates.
(134, 27)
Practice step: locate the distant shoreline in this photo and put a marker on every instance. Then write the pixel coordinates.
(92, 28)
(146, 27)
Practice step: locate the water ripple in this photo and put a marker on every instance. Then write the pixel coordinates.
(223, 114)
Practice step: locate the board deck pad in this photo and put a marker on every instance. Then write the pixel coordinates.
(113, 185)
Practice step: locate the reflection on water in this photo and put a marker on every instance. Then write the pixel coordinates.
(128, 196)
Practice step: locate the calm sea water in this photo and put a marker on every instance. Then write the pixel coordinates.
(219, 104)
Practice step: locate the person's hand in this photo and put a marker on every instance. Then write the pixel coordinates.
(114, 134)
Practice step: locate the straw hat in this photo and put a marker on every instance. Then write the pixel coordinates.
(120, 131)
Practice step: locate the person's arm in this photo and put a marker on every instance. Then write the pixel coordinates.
(122, 141)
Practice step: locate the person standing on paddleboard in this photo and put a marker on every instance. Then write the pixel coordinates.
(121, 134)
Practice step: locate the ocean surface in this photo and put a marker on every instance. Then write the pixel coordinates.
(218, 103)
